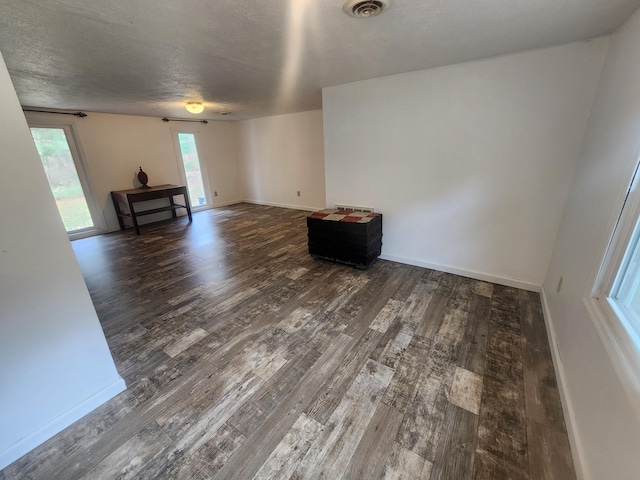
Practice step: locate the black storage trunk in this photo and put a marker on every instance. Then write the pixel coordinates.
(349, 242)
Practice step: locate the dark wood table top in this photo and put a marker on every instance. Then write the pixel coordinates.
(150, 189)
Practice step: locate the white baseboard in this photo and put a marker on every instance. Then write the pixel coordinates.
(31, 441)
(465, 273)
(226, 204)
(284, 205)
(573, 431)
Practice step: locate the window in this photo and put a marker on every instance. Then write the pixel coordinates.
(626, 288)
(193, 171)
(60, 159)
(615, 300)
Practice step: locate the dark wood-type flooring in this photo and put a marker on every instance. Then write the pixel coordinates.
(246, 358)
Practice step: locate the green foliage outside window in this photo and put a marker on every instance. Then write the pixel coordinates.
(60, 169)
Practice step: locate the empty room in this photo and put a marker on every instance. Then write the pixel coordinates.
(298, 239)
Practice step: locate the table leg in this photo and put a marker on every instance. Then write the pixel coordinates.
(116, 205)
(173, 211)
(187, 204)
(134, 220)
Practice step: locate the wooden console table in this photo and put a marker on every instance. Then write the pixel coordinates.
(129, 197)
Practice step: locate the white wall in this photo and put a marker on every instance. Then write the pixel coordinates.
(281, 155)
(55, 365)
(113, 148)
(606, 430)
(470, 164)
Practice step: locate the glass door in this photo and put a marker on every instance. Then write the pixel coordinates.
(193, 170)
(67, 181)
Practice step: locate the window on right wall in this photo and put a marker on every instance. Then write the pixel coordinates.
(625, 291)
(615, 300)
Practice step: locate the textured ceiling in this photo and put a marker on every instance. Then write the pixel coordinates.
(260, 57)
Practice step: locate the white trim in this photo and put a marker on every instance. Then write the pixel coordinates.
(197, 208)
(107, 231)
(283, 205)
(181, 213)
(486, 277)
(31, 441)
(622, 352)
(573, 431)
(85, 233)
(202, 162)
(616, 325)
(95, 211)
(226, 204)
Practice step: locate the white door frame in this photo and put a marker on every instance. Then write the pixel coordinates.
(99, 224)
(208, 200)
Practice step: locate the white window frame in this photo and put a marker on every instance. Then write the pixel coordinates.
(99, 224)
(208, 200)
(618, 327)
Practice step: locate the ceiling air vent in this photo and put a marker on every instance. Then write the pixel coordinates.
(365, 9)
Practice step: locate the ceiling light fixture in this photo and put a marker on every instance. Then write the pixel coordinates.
(365, 8)
(194, 107)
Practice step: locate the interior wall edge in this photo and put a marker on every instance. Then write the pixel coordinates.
(284, 205)
(573, 430)
(23, 446)
(486, 277)
(227, 203)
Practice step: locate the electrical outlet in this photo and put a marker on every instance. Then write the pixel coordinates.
(559, 285)
(298, 192)
(215, 194)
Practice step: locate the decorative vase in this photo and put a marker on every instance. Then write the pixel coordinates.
(143, 179)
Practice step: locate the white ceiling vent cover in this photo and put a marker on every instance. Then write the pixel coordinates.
(365, 8)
